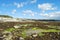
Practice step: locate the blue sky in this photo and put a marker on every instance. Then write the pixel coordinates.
(31, 9)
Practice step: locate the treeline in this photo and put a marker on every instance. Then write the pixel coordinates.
(6, 16)
(45, 20)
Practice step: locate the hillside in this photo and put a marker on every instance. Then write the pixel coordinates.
(6, 16)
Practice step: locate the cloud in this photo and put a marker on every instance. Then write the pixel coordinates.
(55, 14)
(52, 15)
(14, 11)
(19, 5)
(46, 6)
(33, 1)
(46, 15)
(29, 12)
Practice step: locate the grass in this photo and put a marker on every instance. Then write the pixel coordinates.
(41, 34)
(55, 27)
(35, 28)
(23, 33)
(10, 29)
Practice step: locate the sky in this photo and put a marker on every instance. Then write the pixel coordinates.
(31, 9)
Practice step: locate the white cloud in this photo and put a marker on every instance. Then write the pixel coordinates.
(30, 12)
(14, 11)
(44, 14)
(51, 15)
(55, 14)
(33, 1)
(46, 6)
(19, 5)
